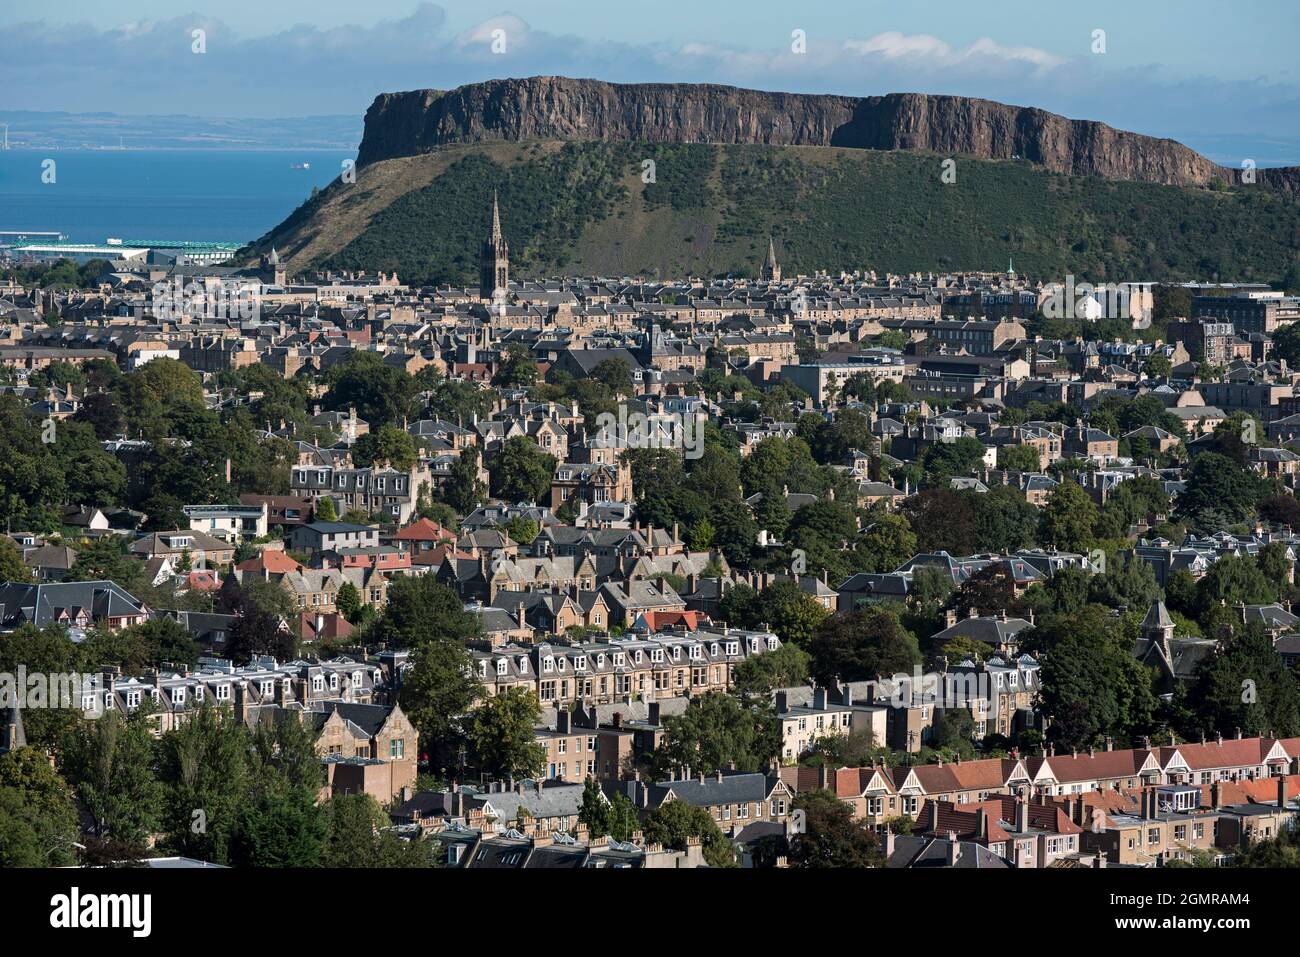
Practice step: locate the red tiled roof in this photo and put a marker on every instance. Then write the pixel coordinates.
(425, 530)
(272, 561)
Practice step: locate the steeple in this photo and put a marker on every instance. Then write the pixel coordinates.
(494, 261)
(771, 268)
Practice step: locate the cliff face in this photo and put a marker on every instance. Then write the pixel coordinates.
(559, 108)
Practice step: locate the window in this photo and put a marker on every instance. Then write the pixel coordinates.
(397, 748)
(223, 692)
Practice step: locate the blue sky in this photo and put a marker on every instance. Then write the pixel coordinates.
(1223, 77)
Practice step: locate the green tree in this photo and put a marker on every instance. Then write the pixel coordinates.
(862, 645)
(348, 601)
(759, 675)
(389, 444)
(673, 823)
(437, 693)
(717, 731)
(1245, 686)
(1068, 518)
(464, 489)
(421, 609)
(504, 737)
(38, 819)
(110, 764)
(520, 471)
(831, 837)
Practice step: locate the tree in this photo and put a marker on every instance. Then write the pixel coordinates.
(717, 731)
(360, 835)
(1245, 686)
(520, 529)
(12, 567)
(1232, 581)
(758, 676)
(862, 645)
(348, 601)
(420, 609)
(615, 375)
(516, 368)
(783, 607)
(1275, 852)
(1004, 520)
(380, 393)
(1068, 518)
(437, 693)
(204, 764)
(325, 510)
(831, 837)
(1219, 492)
(614, 817)
(464, 489)
(886, 543)
(503, 735)
(38, 819)
(673, 823)
(263, 614)
(942, 520)
(110, 763)
(280, 823)
(945, 460)
(520, 471)
(389, 444)
(1093, 687)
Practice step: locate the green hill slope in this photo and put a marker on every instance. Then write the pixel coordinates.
(585, 208)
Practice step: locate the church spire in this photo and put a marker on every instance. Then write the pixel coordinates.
(494, 260)
(771, 268)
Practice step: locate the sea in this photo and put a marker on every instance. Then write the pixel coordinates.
(146, 195)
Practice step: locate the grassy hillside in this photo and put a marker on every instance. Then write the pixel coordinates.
(584, 208)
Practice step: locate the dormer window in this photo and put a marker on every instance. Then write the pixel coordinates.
(677, 653)
(334, 682)
(657, 655)
(178, 696)
(713, 649)
(223, 692)
(548, 664)
(733, 647)
(580, 663)
(268, 688)
(317, 683)
(503, 666)
(618, 659)
(600, 661)
(357, 679)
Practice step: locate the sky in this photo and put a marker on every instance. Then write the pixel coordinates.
(1223, 77)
